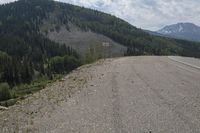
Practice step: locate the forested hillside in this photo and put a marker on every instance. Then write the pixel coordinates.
(137, 41)
(28, 56)
(27, 18)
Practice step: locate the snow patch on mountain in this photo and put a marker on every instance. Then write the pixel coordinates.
(187, 31)
(180, 28)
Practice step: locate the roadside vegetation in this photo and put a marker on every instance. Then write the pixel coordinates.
(22, 76)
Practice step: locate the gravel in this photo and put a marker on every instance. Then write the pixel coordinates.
(121, 95)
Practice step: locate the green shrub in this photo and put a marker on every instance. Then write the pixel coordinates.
(64, 64)
(71, 63)
(4, 92)
(57, 64)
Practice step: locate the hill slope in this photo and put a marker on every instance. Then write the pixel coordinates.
(26, 18)
(187, 31)
(83, 41)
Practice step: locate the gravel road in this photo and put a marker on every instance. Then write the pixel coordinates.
(122, 95)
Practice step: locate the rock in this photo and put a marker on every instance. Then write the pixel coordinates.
(3, 108)
(61, 80)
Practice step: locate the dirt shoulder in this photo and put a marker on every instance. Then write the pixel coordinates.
(19, 118)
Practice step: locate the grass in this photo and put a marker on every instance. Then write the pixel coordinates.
(20, 91)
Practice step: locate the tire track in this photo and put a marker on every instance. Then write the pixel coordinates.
(117, 120)
(170, 105)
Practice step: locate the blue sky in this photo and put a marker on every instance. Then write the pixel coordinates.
(146, 14)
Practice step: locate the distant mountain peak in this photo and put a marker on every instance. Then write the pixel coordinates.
(187, 31)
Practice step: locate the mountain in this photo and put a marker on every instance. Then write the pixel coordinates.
(83, 29)
(187, 31)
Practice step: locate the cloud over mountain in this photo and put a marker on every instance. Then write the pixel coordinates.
(147, 14)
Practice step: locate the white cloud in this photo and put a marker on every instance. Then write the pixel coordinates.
(147, 14)
(6, 1)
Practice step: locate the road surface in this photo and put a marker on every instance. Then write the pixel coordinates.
(124, 95)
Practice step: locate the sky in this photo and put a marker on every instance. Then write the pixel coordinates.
(145, 14)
